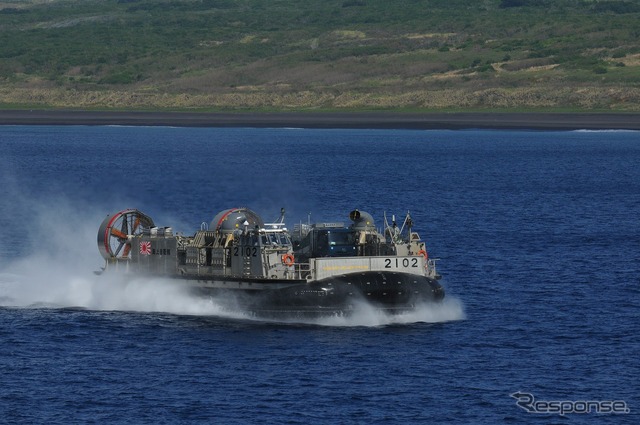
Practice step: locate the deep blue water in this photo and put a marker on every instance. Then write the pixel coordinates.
(538, 236)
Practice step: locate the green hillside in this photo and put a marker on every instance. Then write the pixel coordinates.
(329, 54)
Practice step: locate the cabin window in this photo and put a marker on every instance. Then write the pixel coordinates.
(341, 238)
(284, 240)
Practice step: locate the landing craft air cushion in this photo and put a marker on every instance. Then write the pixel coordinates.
(263, 268)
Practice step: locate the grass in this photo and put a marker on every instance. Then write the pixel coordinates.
(336, 54)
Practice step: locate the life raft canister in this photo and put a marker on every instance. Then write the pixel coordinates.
(288, 259)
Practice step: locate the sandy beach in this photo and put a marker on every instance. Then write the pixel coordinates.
(373, 120)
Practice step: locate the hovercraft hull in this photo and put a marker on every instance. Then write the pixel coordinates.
(340, 294)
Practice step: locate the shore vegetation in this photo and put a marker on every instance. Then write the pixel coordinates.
(422, 55)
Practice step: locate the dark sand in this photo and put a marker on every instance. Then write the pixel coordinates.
(454, 121)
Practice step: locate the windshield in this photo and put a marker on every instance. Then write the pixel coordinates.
(274, 239)
(341, 237)
(335, 243)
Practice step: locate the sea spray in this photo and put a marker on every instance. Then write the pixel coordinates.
(117, 292)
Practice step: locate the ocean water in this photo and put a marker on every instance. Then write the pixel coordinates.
(537, 235)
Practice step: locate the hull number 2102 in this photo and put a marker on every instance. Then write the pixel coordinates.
(395, 263)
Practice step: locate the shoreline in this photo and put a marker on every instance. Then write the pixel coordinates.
(345, 120)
